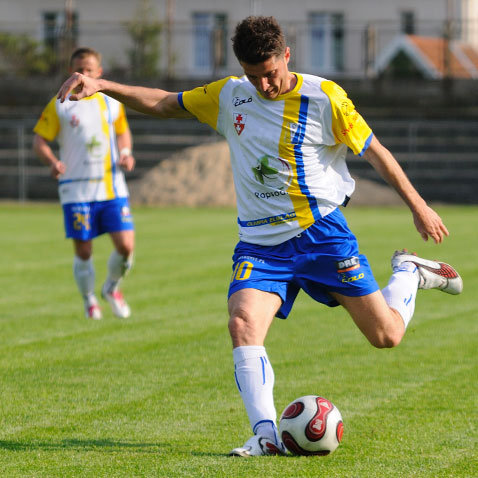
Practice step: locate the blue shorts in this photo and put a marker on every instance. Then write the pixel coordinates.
(323, 259)
(87, 220)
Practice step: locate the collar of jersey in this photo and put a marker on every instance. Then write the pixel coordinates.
(292, 92)
(92, 97)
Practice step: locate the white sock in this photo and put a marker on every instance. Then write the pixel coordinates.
(118, 267)
(255, 381)
(84, 273)
(401, 291)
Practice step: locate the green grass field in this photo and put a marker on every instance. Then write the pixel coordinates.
(154, 395)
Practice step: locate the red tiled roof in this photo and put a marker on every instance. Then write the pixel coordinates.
(443, 57)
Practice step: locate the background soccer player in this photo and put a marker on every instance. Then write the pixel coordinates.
(288, 135)
(91, 184)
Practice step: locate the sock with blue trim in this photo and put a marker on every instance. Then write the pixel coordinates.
(401, 291)
(255, 380)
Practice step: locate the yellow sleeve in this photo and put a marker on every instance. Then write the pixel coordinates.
(203, 102)
(348, 125)
(121, 123)
(48, 126)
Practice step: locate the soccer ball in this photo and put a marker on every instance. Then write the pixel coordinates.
(311, 425)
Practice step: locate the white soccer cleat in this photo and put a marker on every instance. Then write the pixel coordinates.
(433, 274)
(92, 309)
(259, 446)
(118, 305)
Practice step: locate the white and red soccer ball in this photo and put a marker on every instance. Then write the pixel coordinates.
(311, 425)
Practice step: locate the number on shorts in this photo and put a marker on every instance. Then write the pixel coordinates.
(242, 271)
(81, 221)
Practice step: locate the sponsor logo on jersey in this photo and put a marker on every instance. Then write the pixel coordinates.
(346, 278)
(273, 172)
(250, 258)
(348, 264)
(345, 266)
(126, 214)
(296, 131)
(236, 101)
(273, 220)
(352, 119)
(239, 122)
(94, 146)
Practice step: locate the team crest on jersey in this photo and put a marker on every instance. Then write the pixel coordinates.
(74, 121)
(239, 122)
(296, 131)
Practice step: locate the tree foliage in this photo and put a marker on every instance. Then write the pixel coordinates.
(145, 31)
(24, 56)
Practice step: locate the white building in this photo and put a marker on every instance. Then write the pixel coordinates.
(341, 38)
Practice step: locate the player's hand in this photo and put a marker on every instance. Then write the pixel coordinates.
(57, 169)
(79, 85)
(126, 162)
(429, 224)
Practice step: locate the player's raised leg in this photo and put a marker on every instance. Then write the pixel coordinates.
(84, 273)
(251, 313)
(119, 264)
(384, 316)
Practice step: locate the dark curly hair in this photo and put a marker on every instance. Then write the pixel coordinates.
(256, 39)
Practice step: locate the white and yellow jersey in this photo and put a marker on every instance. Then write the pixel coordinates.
(86, 132)
(287, 154)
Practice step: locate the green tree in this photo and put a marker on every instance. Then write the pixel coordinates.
(24, 56)
(145, 31)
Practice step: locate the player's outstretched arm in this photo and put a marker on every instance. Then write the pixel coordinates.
(427, 221)
(150, 101)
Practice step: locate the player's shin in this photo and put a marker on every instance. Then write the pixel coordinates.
(255, 380)
(401, 291)
(84, 273)
(118, 267)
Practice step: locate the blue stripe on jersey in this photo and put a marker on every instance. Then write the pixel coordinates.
(112, 145)
(366, 145)
(299, 158)
(180, 101)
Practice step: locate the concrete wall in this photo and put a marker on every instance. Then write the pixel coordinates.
(102, 25)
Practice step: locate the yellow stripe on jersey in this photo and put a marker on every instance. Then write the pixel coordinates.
(121, 123)
(347, 124)
(48, 126)
(203, 102)
(288, 151)
(108, 171)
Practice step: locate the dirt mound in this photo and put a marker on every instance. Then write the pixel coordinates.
(201, 176)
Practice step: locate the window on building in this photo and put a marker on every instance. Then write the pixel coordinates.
(210, 40)
(327, 41)
(407, 22)
(60, 28)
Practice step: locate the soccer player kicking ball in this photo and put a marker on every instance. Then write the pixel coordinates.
(288, 135)
(91, 184)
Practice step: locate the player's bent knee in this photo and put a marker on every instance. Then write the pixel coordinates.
(237, 326)
(386, 339)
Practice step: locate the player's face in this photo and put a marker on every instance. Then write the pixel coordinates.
(88, 66)
(270, 77)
